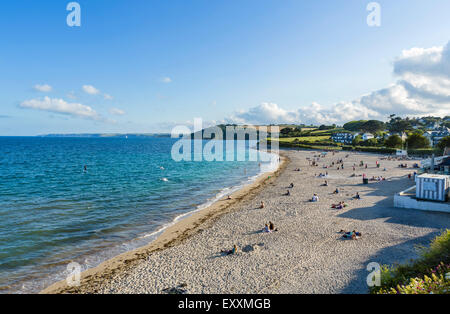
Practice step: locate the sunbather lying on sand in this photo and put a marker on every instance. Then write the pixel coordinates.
(354, 235)
(288, 193)
(341, 205)
(326, 183)
(230, 252)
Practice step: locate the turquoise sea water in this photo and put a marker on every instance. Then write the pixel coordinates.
(53, 211)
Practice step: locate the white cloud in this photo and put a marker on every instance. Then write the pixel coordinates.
(117, 112)
(166, 80)
(43, 88)
(91, 90)
(61, 106)
(423, 88)
(266, 113)
(270, 113)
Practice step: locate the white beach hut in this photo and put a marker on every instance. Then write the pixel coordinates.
(433, 187)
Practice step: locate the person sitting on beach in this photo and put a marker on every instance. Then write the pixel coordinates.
(291, 186)
(230, 252)
(326, 183)
(272, 227)
(266, 229)
(315, 198)
(336, 191)
(262, 205)
(288, 193)
(357, 196)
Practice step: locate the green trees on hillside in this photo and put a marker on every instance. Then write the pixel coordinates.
(394, 141)
(354, 126)
(416, 140)
(444, 143)
(399, 125)
(371, 126)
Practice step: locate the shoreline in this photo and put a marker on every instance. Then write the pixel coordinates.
(172, 235)
(307, 255)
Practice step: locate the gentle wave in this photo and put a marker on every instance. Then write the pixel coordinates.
(91, 216)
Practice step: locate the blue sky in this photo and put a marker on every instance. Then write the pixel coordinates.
(143, 65)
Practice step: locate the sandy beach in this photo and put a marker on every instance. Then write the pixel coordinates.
(306, 255)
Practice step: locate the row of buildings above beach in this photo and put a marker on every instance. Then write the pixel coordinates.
(434, 136)
(348, 137)
(437, 135)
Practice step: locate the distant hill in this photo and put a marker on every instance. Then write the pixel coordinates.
(100, 135)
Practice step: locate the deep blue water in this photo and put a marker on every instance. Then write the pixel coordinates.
(52, 211)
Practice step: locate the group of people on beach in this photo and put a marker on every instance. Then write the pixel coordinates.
(353, 235)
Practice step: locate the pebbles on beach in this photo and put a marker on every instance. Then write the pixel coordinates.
(307, 254)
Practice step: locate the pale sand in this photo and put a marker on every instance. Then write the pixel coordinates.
(306, 255)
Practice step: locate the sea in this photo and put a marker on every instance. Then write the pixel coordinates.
(86, 200)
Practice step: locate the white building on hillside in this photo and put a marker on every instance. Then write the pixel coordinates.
(367, 136)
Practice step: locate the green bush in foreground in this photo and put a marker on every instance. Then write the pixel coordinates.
(429, 274)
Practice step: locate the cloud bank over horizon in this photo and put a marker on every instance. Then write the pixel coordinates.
(422, 88)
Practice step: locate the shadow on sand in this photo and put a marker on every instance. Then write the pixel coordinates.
(385, 210)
